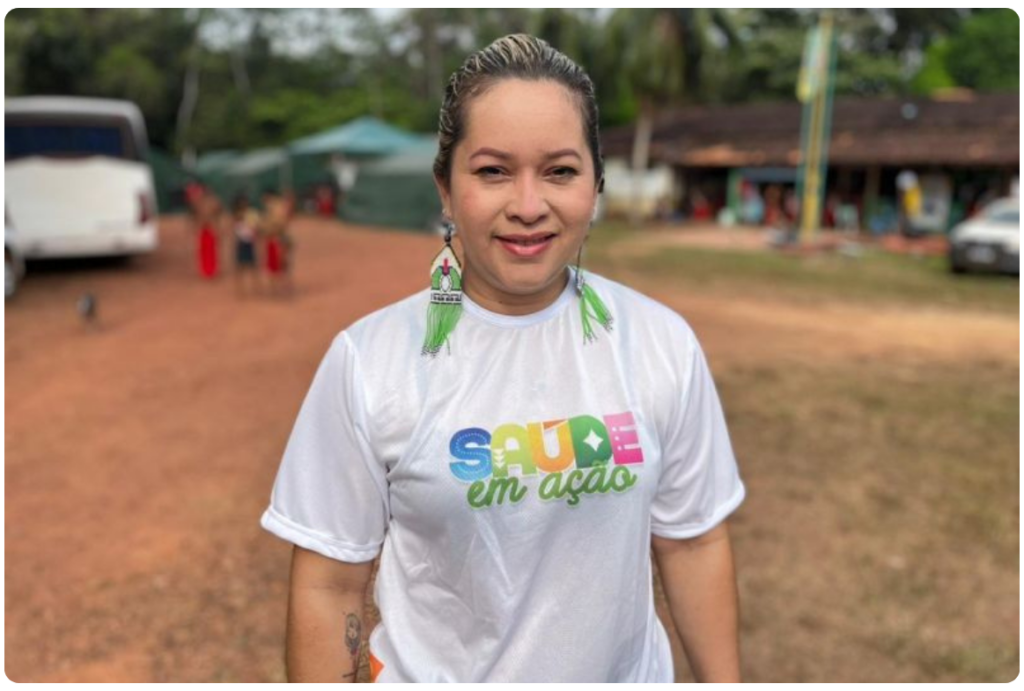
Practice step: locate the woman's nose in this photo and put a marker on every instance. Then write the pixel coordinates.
(528, 204)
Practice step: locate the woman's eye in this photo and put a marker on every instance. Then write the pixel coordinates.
(489, 172)
(564, 173)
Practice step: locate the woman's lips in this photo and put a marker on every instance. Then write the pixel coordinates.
(526, 245)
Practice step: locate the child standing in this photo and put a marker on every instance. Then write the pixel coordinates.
(245, 224)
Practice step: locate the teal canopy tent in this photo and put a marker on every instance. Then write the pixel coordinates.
(397, 191)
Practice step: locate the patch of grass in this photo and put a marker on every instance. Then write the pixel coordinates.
(876, 277)
(888, 491)
(980, 661)
(941, 439)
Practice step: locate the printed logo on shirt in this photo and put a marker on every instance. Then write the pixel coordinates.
(376, 667)
(576, 456)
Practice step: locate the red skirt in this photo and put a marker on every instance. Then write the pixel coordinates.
(207, 252)
(275, 256)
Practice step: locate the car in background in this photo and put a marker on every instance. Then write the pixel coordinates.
(77, 179)
(989, 241)
(14, 263)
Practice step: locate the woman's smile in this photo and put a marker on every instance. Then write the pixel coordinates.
(526, 245)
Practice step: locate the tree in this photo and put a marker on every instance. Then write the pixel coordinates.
(985, 53)
(658, 54)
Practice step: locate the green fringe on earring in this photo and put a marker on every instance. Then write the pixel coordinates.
(591, 305)
(441, 321)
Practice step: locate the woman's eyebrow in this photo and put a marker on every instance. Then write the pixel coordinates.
(487, 151)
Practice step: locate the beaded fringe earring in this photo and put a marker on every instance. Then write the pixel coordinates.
(591, 305)
(445, 295)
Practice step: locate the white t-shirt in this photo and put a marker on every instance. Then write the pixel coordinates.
(511, 484)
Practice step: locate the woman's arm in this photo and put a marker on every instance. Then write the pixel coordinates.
(325, 617)
(700, 583)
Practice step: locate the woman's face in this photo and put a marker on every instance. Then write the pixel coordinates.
(522, 194)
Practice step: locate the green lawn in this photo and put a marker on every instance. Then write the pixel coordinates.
(875, 277)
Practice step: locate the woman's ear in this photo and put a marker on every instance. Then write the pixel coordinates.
(445, 194)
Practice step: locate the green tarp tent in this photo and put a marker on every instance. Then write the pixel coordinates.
(360, 138)
(170, 179)
(397, 191)
(253, 172)
(307, 162)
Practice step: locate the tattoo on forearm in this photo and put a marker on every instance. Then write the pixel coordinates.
(353, 636)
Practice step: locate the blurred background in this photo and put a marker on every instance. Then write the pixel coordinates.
(830, 198)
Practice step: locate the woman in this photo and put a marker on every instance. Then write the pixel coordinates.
(510, 460)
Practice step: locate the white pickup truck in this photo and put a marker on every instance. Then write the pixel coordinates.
(14, 264)
(988, 241)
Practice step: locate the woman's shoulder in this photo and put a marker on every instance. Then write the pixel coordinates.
(398, 325)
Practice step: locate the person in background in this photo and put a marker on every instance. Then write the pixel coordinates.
(276, 215)
(206, 213)
(245, 227)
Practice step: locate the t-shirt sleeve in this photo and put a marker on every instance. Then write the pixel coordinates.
(700, 483)
(331, 495)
